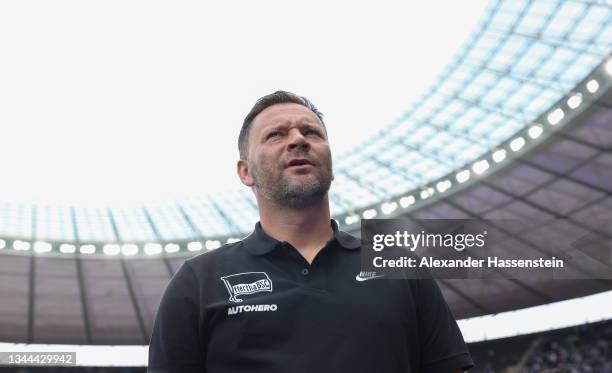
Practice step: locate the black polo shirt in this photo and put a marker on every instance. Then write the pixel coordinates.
(258, 306)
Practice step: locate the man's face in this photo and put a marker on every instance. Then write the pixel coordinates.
(289, 160)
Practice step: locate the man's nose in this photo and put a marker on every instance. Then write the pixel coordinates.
(298, 140)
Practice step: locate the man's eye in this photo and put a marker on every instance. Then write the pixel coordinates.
(313, 132)
(272, 134)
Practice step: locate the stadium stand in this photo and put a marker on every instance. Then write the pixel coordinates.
(583, 348)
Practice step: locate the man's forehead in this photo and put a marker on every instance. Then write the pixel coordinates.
(283, 113)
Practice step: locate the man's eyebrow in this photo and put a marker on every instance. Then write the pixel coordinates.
(305, 121)
(275, 126)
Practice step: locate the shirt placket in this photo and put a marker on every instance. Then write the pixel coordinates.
(311, 276)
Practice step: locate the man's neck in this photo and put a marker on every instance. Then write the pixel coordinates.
(307, 229)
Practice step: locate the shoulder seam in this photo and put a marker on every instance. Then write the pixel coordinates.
(190, 268)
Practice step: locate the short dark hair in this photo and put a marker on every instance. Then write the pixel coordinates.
(278, 97)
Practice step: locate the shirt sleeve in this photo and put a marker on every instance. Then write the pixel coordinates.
(443, 349)
(176, 345)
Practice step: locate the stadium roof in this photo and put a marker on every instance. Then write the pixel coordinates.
(523, 57)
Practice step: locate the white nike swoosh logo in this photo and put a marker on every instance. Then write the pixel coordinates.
(359, 278)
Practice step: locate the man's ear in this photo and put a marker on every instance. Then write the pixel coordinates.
(242, 168)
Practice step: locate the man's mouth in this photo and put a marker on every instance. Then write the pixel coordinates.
(299, 162)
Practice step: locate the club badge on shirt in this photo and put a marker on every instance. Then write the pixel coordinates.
(246, 283)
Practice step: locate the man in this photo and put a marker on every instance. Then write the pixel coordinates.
(289, 297)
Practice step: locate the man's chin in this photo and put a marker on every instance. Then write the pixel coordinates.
(307, 189)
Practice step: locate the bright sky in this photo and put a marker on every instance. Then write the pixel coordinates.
(124, 101)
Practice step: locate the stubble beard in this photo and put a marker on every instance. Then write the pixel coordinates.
(305, 192)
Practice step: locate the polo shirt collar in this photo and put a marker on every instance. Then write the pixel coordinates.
(260, 243)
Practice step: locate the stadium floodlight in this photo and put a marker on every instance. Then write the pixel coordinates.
(443, 185)
(351, 219)
(42, 247)
(609, 67)
(195, 246)
(535, 131)
(499, 155)
(172, 248)
(129, 249)
(87, 249)
(212, 244)
(152, 248)
(369, 214)
(67, 248)
(555, 116)
(592, 85)
(517, 144)
(2, 244)
(426, 193)
(232, 240)
(388, 207)
(574, 101)
(21, 245)
(407, 201)
(463, 176)
(111, 249)
(480, 166)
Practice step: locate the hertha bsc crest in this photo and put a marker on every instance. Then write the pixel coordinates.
(246, 283)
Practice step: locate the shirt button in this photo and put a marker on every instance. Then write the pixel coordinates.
(305, 271)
